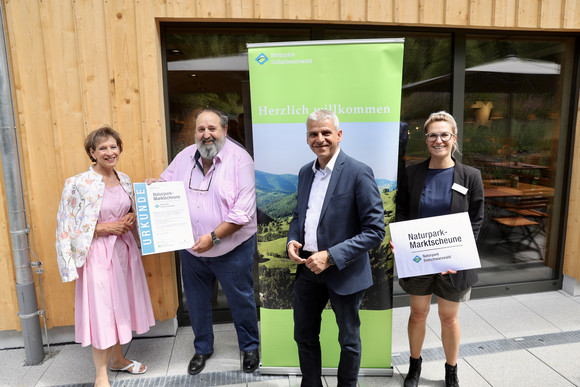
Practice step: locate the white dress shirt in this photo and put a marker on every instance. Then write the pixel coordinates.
(315, 202)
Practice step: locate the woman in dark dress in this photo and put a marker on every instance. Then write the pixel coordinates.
(439, 186)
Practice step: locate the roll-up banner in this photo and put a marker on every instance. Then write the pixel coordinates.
(360, 80)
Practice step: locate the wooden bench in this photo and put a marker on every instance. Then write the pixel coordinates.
(515, 221)
(510, 224)
(528, 212)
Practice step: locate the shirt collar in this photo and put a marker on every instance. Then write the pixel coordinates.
(196, 156)
(329, 166)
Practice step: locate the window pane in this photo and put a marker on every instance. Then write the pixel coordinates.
(511, 132)
(209, 66)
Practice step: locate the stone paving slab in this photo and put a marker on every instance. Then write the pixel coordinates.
(523, 340)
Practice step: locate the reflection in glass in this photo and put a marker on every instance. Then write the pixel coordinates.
(209, 67)
(511, 129)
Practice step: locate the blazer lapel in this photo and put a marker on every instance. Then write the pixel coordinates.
(456, 197)
(334, 177)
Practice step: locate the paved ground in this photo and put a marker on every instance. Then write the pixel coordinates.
(524, 340)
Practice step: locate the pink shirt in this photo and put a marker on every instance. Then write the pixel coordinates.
(226, 193)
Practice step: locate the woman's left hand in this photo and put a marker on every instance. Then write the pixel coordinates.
(130, 219)
(449, 272)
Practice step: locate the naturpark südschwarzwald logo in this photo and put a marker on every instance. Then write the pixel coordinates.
(261, 59)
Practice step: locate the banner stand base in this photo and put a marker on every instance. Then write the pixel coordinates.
(325, 371)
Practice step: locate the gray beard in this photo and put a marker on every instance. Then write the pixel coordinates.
(209, 151)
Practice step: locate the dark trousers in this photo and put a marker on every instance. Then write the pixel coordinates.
(310, 297)
(234, 272)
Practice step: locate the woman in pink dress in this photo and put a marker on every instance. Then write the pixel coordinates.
(97, 248)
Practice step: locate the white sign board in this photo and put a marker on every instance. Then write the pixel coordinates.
(434, 245)
(163, 217)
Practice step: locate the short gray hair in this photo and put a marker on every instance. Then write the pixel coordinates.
(322, 115)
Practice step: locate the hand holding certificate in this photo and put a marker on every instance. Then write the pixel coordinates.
(163, 217)
(434, 245)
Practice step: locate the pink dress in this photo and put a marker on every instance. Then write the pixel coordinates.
(112, 297)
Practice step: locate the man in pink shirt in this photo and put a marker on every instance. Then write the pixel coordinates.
(220, 184)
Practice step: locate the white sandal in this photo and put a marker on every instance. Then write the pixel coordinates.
(133, 368)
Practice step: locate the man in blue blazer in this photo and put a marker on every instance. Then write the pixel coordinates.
(338, 219)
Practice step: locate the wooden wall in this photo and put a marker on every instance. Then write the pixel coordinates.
(77, 64)
(572, 246)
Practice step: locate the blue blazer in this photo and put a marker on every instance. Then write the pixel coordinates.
(409, 200)
(351, 222)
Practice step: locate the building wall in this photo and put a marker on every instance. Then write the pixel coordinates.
(78, 64)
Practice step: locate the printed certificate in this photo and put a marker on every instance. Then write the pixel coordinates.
(163, 217)
(434, 245)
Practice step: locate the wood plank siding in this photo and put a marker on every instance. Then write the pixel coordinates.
(79, 64)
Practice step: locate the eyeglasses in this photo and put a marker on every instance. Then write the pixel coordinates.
(197, 189)
(445, 136)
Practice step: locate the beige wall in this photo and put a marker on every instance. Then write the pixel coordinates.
(79, 64)
(572, 247)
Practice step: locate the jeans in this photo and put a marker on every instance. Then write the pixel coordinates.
(310, 297)
(234, 272)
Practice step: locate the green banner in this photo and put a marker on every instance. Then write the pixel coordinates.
(360, 80)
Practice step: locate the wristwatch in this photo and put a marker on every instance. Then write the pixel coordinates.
(330, 260)
(216, 241)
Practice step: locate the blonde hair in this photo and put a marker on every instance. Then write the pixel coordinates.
(443, 116)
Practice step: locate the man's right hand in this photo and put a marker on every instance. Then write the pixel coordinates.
(150, 180)
(294, 252)
(203, 244)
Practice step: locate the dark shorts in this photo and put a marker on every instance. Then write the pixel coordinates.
(437, 284)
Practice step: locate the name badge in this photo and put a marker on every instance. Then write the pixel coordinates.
(459, 188)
